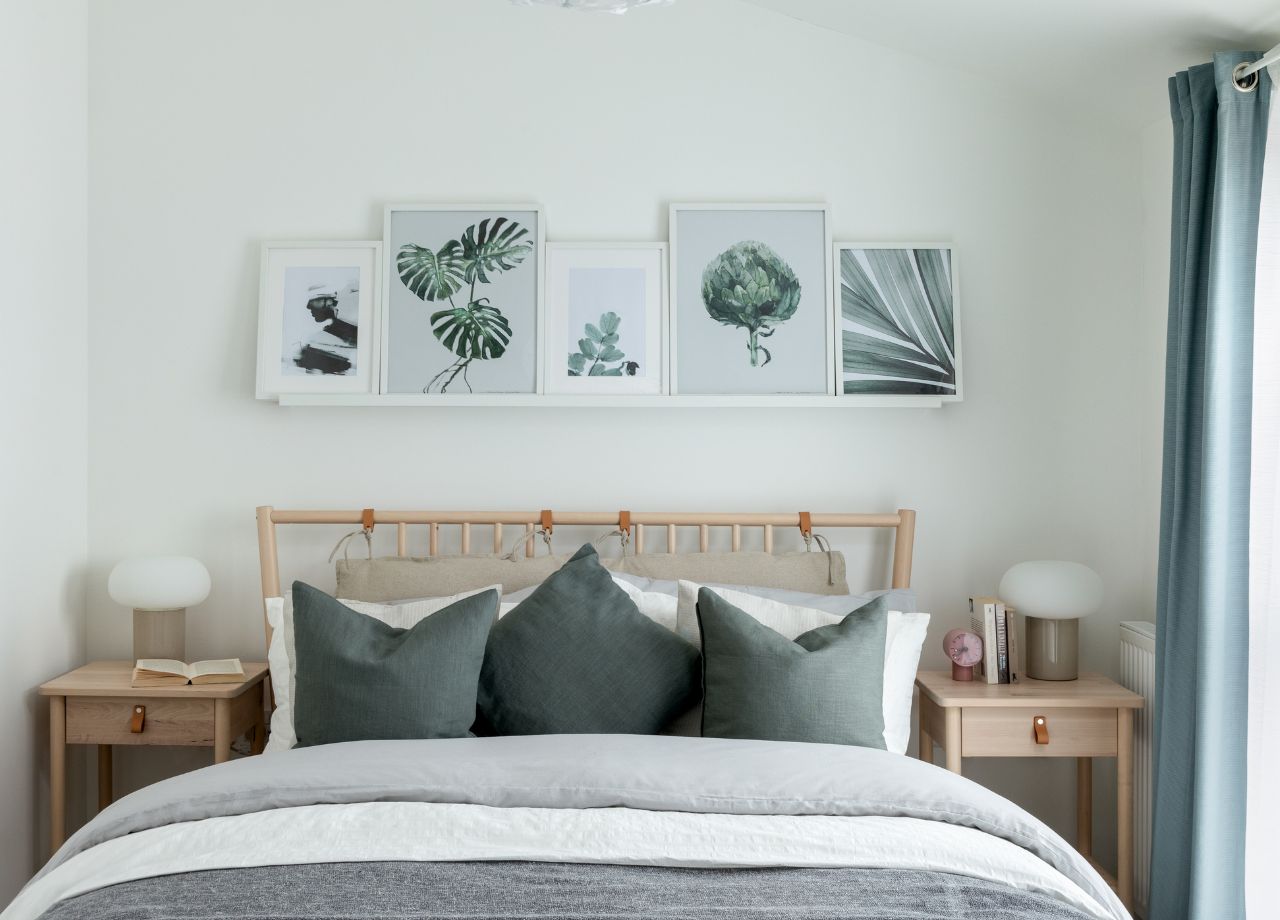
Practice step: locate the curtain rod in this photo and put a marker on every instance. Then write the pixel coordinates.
(1266, 60)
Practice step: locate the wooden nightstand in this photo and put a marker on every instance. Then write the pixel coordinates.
(95, 704)
(1085, 718)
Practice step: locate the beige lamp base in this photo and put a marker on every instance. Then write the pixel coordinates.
(160, 634)
(1053, 649)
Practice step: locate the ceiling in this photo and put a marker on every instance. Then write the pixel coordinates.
(1113, 56)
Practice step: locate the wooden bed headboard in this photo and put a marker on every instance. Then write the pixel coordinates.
(635, 524)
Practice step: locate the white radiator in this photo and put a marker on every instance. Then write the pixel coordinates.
(1138, 673)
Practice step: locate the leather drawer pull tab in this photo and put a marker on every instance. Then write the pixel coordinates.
(138, 719)
(1041, 728)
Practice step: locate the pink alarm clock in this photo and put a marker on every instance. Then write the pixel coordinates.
(964, 648)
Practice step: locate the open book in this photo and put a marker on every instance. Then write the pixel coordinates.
(164, 672)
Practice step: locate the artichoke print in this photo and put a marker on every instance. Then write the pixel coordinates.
(752, 287)
(598, 354)
(474, 330)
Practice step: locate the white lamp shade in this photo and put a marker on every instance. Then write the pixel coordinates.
(1052, 590)
(159, 582)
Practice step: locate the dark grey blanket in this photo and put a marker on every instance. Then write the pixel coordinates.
(554, 891)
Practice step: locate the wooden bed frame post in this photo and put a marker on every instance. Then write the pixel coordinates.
(268, 560)
(903, 544)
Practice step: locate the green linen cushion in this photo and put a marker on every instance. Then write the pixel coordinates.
(360, 679)
(578, 656)
(824, 686)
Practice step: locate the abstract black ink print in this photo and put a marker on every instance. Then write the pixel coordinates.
(331, 349)
(324, 338)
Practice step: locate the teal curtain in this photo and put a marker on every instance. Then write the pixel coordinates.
(1202, 635)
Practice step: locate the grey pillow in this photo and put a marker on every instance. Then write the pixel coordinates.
(578, 656)
(360, 679)
(824, 686)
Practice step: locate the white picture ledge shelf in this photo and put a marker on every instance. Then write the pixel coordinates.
(549, 401)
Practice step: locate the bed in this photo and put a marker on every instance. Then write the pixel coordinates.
(570, 825)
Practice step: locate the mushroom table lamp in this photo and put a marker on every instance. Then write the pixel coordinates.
(159, 589)
(1053, 596)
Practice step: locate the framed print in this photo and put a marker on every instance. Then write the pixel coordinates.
(317, 317)
(751, 301)
(605, 316)
(462, 299)
(899, 327)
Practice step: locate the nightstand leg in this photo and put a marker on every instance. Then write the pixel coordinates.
(221, 731)
(1124, 807)
(952, 743)
(105, 791)
(57, 772)
(1084, 805)
(926, 739)
(260, 726)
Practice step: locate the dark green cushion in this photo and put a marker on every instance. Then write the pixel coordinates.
(825, 686)
(360, 679)
(578, 656)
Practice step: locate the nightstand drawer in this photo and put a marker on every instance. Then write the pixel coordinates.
(1010, 732)
(106, 720)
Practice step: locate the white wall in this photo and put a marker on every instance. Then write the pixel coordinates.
(43, 448)
(213, 128)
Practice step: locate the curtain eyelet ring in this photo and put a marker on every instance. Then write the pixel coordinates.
(1244, 84)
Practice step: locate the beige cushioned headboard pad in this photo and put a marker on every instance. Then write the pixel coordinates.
(811, 572)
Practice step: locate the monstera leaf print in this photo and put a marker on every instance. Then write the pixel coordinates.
(477, 331)
(898, 334)
(493, 245)
(432, 275)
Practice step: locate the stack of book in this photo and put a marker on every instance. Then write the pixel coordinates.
(996, 624)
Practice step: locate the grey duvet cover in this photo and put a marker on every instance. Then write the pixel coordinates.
(565, 774)
(554, 891)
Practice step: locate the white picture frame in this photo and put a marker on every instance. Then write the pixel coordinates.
(586, 283)
(519, 286)
(318, 310)
(806, 242)
(898, 327)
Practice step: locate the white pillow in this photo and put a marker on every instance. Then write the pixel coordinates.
(661, 608)
(904, 637)
(899, 598)
(282, 653)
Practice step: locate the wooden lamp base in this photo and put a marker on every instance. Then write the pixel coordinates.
(160, 634)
